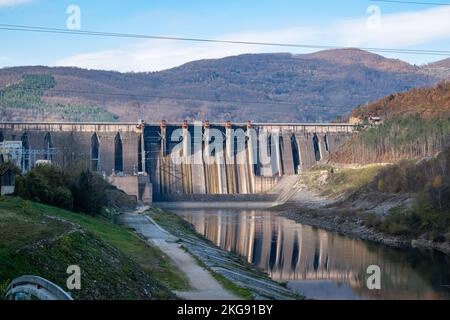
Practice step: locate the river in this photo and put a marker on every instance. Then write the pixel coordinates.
(320, 264)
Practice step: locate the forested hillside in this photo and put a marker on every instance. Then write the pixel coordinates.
(429, 102)
(396, 139)
(260, 87)
(24, 100)
(414, 124)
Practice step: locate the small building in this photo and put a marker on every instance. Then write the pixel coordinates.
(375, 120)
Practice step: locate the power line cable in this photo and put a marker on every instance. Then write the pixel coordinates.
(24, 28)
(414, 2)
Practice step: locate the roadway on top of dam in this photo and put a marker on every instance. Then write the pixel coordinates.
(136, 126)
(332, 124)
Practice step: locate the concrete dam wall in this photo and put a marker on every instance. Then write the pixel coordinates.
(229, 159)
(115, 150)
(167, 161)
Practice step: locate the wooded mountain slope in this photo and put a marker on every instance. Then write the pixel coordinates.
(259, 87)
(429, 102)
(415, 124)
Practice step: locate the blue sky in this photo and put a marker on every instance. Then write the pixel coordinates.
(342, 23)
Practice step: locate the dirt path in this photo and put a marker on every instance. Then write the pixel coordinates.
(204, 286)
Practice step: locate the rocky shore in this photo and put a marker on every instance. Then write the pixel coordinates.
(347, 217)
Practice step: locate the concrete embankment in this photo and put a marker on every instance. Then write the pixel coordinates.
(216, 201)
(214, 204)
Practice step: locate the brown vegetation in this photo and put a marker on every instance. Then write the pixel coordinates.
(429, 181)
(415, 124)
(396, 139)
(430, 102)
(259, 87)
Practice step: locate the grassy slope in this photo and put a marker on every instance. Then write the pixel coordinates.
(341, 181)
(116, 264)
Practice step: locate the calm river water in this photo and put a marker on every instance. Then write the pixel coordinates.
(321, 264)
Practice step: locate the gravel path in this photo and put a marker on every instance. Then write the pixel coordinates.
(204, 286)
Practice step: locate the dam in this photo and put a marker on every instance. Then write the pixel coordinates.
(197, 161)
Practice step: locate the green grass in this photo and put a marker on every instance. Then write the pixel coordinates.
(149, 257)
(227, 284)
(340, 180)
(173, 223)
(111, 256)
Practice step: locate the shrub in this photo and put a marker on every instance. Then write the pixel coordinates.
(398, 229)
(62, 198)
(36, 188)
(81, 190)
(439, 194)
(89, 193)
(421, 219)
(372, 220)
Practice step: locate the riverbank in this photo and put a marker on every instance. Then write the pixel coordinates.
(351, 224)
(342, 207)
(229, 269)
(202, 285)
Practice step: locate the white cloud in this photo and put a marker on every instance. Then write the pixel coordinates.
(398, 30)
(13, 3)
(152, 55)
(404, 30)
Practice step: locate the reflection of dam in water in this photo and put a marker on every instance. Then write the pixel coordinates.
(300, 254)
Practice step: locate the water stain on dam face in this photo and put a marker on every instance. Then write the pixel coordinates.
(321, 264)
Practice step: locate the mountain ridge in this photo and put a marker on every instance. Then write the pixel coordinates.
(260, 87)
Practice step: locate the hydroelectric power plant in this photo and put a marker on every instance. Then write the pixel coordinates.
(169, 162)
